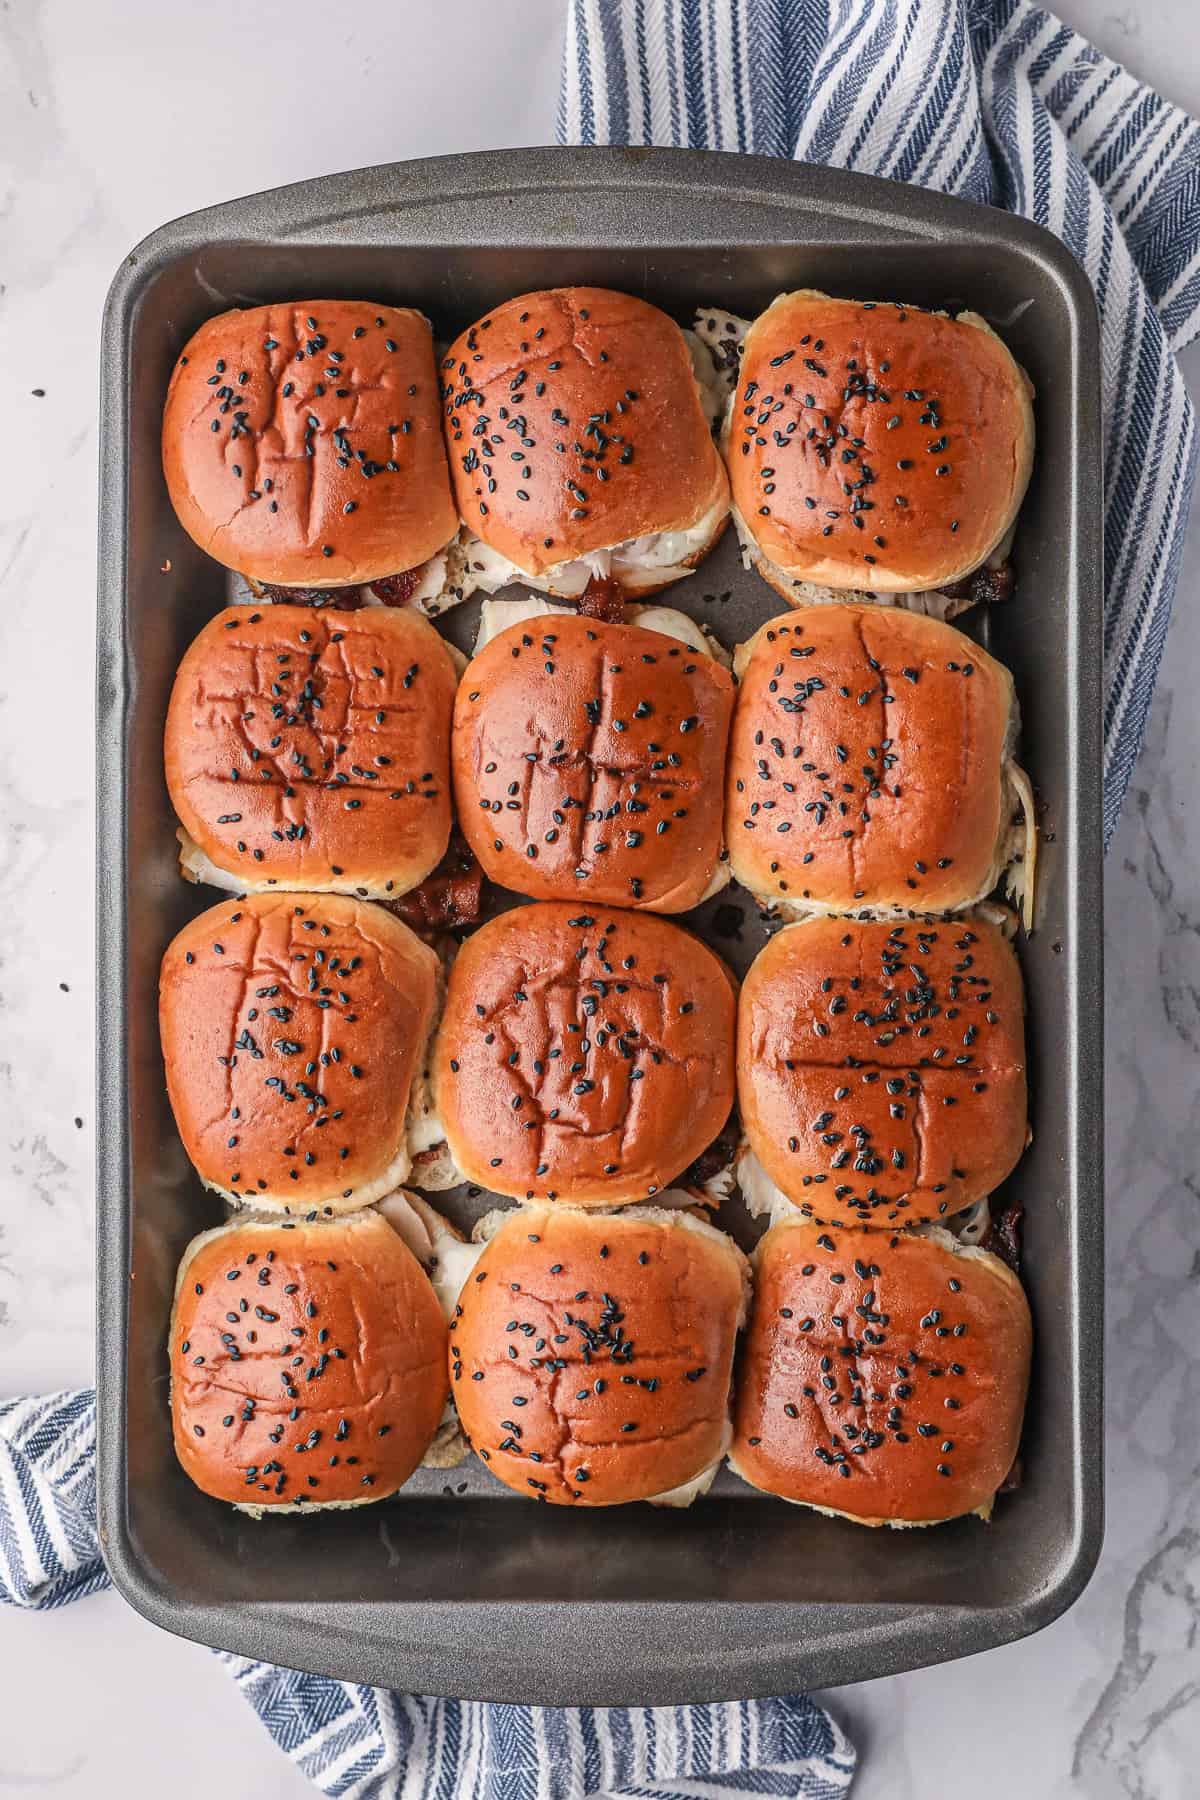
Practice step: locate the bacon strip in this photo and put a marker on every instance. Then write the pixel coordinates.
(394, 590)
(449, 898)
(603, 598)
(718, 1156)
(1003, 1236)
(338, 599)
(986, 586)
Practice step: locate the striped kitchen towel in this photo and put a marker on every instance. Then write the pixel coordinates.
(997, 101)
(368, 1744)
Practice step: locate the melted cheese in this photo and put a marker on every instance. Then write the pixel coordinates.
(496, 616)
(446, 1258)
(648, 561)
(763, 1200)
(1021, 874)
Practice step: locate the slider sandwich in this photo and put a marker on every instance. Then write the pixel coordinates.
(591, 1354)
(881, 1071)
(589, 756)
(578, 426)
(296, 1040)
(875, 450)
(872, 768)
(883, 1375)
(308, 1363)
(302, 447)
(310, 750)
(585, 1054)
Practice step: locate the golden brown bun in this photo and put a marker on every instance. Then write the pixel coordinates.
(865, 762)
(372, 498)
(597, 389)
(292, 1027)
(584, 1055)
(624, 1330)
(621, 802)
(310, 749)
(307, 1363)
(875, 446)
(881, 1068)
(883, 1377)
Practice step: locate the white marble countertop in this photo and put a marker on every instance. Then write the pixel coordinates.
(102, 137)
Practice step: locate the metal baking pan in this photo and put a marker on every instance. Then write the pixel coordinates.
(455, 1587)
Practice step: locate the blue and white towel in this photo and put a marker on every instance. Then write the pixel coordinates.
(996, 101)
(365, 1743)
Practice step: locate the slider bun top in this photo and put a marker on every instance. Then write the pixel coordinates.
(585, 1054)
(307, 1362)
(292, 1027)
(595, 391)
(881, 1068)
(883, 1376)
(866, 762)
(588, 763)
(623, 1329)
(877, 446)
(310, 749)
(302, 442)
